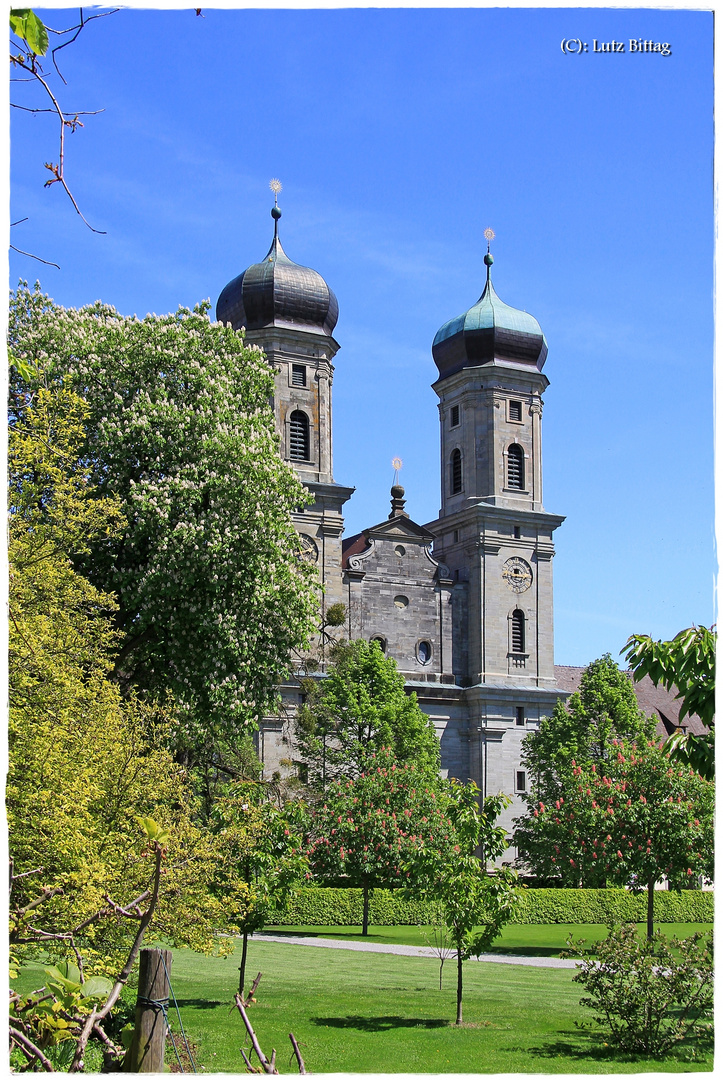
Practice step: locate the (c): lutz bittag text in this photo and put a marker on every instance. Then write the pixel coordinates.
(574, 46)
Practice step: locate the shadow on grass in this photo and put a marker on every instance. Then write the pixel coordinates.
(591, 1046)
(201, 1003)
(377, 1023)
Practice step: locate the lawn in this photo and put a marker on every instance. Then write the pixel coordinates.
(515, 939)
(517, 1019)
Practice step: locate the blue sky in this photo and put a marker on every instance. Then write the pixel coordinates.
(399, 135)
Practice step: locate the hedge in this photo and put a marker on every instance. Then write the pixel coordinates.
(313, 906)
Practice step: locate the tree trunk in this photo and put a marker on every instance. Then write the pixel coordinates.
(459, 986)
(365, 910)
(242, 968)
(651, 894)
(149, 1036)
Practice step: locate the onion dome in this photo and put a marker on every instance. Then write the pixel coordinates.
(279, 292)
(491, 330)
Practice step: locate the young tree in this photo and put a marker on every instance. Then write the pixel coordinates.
(261, 850)
(213, 595)
(475, 903)
(630, 818)
(366, 830)
(687, 664)
(361, 706)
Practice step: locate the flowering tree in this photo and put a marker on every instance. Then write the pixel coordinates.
(212, 593)
(475, 901)
(361, 706)
(367, 829)
(631, 818)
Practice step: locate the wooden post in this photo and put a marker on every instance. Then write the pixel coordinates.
(149, 1036)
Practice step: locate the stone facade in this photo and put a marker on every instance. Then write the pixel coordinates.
(464, 603)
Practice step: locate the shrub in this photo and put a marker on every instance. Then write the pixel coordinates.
(651, 994)
(313, 906)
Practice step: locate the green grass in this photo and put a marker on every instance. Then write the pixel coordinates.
(515, 939)
(372, 1012)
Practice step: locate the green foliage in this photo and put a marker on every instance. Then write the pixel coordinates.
(687, 663)
(25, 24)
(213, 595)
(321, 906)
(260, 849)
(648, 995)
(604, 707)
(83, 764)
(361, 706)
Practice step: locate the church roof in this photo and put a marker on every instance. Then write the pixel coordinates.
(489, 330)
(278, 292)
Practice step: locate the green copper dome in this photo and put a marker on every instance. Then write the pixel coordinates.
(490, 330)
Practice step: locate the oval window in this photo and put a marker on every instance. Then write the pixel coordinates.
(400, 551)
(424, 652)
(401, 601)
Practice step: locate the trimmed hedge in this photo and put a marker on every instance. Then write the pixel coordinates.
(314, 906)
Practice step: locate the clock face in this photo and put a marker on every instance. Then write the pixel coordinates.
(309, 550)
(517, 574)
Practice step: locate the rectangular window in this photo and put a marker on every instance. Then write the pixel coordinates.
(298, 374)
(454, 416)
(517, 532)
(521, 784)
(456, 536)
(520, 715)
(516, 411)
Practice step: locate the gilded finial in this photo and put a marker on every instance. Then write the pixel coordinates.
(275, 186)
(489, 235)
(396, 465)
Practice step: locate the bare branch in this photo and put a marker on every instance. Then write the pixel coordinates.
(299, 1058)
(24, 1042)
(31, 256)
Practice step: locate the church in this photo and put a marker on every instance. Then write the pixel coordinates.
(464, 603)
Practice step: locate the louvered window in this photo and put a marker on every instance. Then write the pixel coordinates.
(516, 410)
(515, 467)
(298, 374)
(299, 436)
(456, 469)
(518, 631)
(454, 416)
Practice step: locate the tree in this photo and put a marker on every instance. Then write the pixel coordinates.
(261, 851)
(367, 828)
(84, 764)
(361, 706)
(474, 903)
(631, 818)
(687, 664)
(213, 596)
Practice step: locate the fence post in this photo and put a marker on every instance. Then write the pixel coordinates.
(149, 1034)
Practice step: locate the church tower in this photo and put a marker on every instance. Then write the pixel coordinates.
(290, 313)
(492, 530)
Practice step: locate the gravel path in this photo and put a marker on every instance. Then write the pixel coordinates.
(412, 950)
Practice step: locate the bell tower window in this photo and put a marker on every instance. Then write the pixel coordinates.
(298, 374)
(454, 416)
(516, 467)
(299, 436)
(456, 471)
(518, 631)
(515, 412)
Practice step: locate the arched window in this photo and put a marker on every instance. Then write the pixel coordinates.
(381, 642)
(456, 472)
(299, 436)
(515, 467)
(518, 631)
